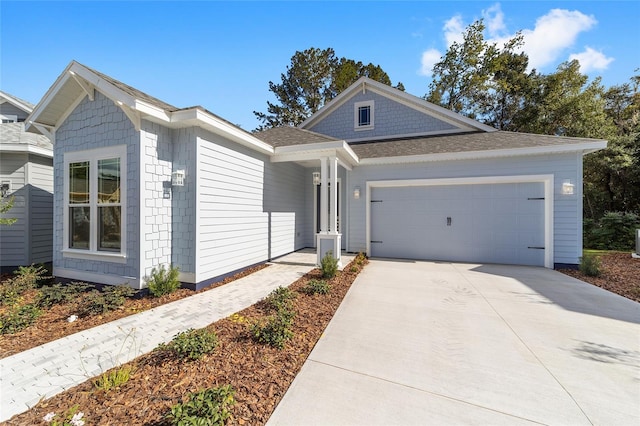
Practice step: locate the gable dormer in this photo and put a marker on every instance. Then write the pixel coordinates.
(368, 110)
(12, 109)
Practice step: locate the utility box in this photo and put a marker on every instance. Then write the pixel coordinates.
(638, 241)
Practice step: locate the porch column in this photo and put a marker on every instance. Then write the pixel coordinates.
(323, 195)
(333, 188)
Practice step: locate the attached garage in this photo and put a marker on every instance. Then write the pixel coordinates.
(484, 220)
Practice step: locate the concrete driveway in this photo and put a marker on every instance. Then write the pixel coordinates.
(442, 343)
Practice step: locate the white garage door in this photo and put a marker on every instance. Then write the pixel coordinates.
(484, 223)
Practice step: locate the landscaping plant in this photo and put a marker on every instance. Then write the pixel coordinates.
(590, 265)
(329, 265)
(209, 407)
(109, 299)
(163, 281)
(192, 344)
(317, 287)
(114, 378)
(18, 318)
(60, 293)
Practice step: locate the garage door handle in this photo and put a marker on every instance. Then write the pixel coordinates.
(536, 247)
(376, 242)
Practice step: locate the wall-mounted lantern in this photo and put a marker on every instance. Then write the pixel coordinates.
(177, 178)
(356, 193)
(568, 187)
(316, 178)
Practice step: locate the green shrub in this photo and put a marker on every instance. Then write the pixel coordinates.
(163, 281)
(109, 299)
(613, 231)
(30, 276)
(60, 293)
(114, 378)
(317, 287)
(275, 330)
(25, 278)
(590, 265)
(329, 265)
(10, 291)
(192, 344)
(280, 298)
(18, 318)
(209, 407)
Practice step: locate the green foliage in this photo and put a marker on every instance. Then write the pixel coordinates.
(163, 281)
(192, 344)
(114, 378)
(30, 276)
(18, 318)
(280, 298)
(317, 287)
(25, 278)
(209, 407)
(314, 77)
(614, 231)
(275, 330)
(109, 299)
(5, 206)
(60, 293)
(590, 265)
(329, 265)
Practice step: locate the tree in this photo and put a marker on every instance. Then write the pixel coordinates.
(313, 78)
(5, 206)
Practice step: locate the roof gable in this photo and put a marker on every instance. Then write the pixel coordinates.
(21, 104)
(420, 117)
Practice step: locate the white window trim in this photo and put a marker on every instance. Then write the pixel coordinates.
(356, 116)
(93, 155)
(11, 118)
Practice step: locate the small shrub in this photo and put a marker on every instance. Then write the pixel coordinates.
(317, 287)
(163, 281)
(210, 407)
(590, 265)
(114, 378)
(192, 344)
(30, 276)
(109, 299)
(280, 298)
(275, 330)
(60, 293)
(18, 318)
(10, 291)
(329, 265)
(613, 231)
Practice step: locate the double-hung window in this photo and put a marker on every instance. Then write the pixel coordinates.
(363, 115)
(95, 194)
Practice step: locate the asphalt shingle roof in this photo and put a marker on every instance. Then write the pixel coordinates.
(13, 133)
(288, 136)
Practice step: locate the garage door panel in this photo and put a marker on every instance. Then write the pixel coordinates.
(493, 223)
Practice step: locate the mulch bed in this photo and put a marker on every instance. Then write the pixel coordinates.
(620, 274)
(53, 325)
(259, 374)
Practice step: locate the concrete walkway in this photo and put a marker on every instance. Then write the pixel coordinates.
(418, 343)
(49, 369)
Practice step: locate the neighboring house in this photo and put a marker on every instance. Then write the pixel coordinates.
(139, 183)
(26, 174)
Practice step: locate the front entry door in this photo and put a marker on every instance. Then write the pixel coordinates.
(316, 211)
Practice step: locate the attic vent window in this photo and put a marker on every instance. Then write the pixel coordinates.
(363, 113)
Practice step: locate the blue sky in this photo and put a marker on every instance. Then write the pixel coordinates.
(221, 55)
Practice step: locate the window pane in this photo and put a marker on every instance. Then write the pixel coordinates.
(363, 116)
(79, 227)
(109, 181)
(109, 228)
(79, 183)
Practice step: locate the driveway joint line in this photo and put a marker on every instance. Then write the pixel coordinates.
(523, 342)
(425, 391)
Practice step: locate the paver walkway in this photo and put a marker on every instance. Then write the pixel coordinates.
(49, 369)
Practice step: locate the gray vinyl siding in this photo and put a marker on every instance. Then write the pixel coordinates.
(390, 119)
(8, 109)
(40, 209)
(13, 239)
(249, 209)
(98, 124)
(567, 208)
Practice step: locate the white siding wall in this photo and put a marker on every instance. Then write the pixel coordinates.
(13, 239)
(567, 208)
(40, 209)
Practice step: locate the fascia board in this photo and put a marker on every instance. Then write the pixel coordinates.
(103, 86)
(340, 149)
(16, 103)
(334, 103)
(468, 155)
(26, 148)
(47, 98)
(152, 111)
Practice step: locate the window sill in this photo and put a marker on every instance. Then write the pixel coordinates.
(359, 128)
(92, 255)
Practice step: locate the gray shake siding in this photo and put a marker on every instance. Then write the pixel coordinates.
(567, 209)
(91, 125)
(390, 118)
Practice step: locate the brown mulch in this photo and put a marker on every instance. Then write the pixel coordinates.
(259, 374)
(620, 274)
(53, 325)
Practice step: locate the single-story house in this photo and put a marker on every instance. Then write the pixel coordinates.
(139, 183)
(26, 176)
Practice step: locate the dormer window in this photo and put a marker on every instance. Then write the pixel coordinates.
(363, 114)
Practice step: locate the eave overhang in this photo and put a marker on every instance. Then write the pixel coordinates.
(314, 151)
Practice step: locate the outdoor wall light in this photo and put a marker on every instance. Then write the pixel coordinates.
(177, 178)
(356, 192)
(316, 178)
(567, 187)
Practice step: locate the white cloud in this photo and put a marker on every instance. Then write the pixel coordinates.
(429, 59)
(553, 33)
(453, 29)
(494, 20)
(591, 59)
